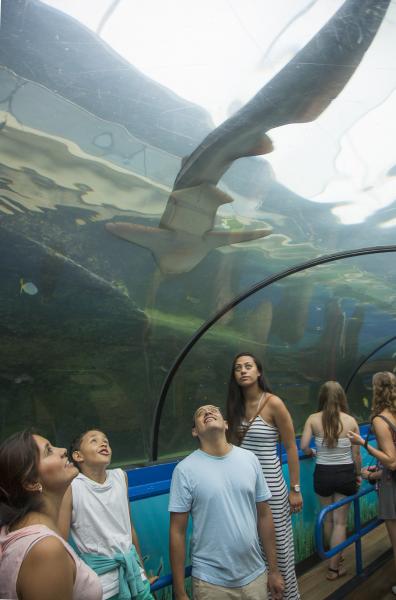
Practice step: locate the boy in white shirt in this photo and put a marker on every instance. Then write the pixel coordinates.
(95, 510)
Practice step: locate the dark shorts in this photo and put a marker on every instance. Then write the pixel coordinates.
(335, 479)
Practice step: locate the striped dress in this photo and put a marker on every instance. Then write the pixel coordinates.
(262, 439)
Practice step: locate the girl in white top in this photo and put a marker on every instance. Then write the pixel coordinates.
(338, 464)
(96, 513)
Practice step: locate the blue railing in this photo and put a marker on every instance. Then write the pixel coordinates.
(355, 538)
(154, 480)
(166, 580)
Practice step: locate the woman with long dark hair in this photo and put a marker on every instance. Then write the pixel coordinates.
(35, 562)
(338, 465)
(383, 418)
(257, 419)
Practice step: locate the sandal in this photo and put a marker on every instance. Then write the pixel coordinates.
(334, 574)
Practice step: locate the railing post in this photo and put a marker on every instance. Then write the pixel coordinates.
(352, 539)
(358, 543)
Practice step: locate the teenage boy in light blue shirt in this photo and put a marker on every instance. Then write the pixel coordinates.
(223, 488)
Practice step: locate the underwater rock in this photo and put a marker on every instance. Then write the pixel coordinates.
(98, 308)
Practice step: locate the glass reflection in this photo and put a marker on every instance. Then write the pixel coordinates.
(314, 326)
(384, 359)
(140, 192)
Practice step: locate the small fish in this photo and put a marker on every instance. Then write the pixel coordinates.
(23, 378)
(80, 222)
(365, 402)
(193, 300)
(28, 287)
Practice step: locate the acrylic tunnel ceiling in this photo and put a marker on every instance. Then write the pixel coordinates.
(160, 159)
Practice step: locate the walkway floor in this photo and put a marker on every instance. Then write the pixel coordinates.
(314, 585)
(378, 585)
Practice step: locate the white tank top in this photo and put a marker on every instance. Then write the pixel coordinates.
(340, 454)
(101, 522)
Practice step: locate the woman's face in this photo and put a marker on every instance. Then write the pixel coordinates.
(246, 372)
(54, 469)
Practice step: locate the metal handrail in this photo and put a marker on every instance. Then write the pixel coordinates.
(147, 490)
(166, 580)
(355, 538)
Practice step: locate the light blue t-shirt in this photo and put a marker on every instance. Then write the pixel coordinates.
(221, 492)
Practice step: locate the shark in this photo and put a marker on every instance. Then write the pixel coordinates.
(298, 93)
(185, 234)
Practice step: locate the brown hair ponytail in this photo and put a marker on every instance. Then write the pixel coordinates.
(332, 401)
(384, 393)
(19, 458)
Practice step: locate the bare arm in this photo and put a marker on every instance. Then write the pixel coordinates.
(284, 423)
(65, 513)
(387, 454)
(47, 572)
(135, 541)
(134, 535)
(177, 549)
(266, 530)
(306, 437)
(356, 454)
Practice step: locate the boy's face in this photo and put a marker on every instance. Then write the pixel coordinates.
(94, 449)
(206, 419)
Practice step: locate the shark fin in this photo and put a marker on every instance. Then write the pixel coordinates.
(139, 234)
(224, 238)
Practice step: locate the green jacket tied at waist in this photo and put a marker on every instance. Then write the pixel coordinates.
(128, 564)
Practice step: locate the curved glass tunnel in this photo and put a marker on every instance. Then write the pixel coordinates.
(310, 327)
(158, 159)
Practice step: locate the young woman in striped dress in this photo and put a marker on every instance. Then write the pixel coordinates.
(256, 420)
